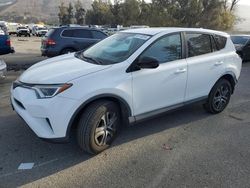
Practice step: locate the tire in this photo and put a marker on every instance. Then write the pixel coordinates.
(93, 135)
(219, 97)
(67, 51)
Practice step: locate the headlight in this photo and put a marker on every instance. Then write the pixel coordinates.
(48, 91)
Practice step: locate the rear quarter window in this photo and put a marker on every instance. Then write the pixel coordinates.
(220, 41)
(50, 33)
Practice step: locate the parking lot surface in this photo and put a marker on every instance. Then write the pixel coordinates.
(185, 148)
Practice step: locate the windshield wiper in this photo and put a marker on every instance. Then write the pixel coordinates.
(94, 60)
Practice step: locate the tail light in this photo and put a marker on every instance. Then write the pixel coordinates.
(8, 43)
(50, 42)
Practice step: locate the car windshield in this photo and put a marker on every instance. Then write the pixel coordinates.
(240, 40)
(115, 48)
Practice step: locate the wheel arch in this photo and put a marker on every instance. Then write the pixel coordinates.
(68, 47)
(123, 105)
(230, 76)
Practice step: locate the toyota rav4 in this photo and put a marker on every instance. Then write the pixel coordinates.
(127, 77)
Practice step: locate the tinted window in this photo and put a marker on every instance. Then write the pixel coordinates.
(220, 41)
(67, 33)
(82, 33)
(198, 44)
(165, 49)
(98, 35)
(239, 39)
(214, 46)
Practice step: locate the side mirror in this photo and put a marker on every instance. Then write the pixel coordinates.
(148, 63)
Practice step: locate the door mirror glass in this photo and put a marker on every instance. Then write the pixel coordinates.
(148, 63)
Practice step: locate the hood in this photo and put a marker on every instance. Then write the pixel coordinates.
(59, 70)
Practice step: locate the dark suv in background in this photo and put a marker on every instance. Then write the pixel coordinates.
(242, 45)
(63, 40)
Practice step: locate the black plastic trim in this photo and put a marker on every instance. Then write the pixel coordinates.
(157, 112)
(98, 97)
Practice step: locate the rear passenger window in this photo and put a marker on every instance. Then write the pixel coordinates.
(82, 33)
(67, 33)
(98, 35)
(198, 44)
(220, 41)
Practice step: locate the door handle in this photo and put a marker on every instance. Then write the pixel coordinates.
(179, 71)
(218, 63)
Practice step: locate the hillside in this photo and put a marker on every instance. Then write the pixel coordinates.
(34, 10)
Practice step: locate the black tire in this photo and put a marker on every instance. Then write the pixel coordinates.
(93, 135)
(219, 97)
(67, 51)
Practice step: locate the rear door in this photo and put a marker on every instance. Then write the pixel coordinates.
(205, 64)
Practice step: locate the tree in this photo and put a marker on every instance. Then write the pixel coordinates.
(80, 13)
(63, 15)
(100, 13)
(213, 14)
(70, 15)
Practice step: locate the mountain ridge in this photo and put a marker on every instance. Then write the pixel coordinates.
(37, 10)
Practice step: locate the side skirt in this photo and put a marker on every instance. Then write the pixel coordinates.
(148, 115)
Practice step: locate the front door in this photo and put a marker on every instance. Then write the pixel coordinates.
(164, 86)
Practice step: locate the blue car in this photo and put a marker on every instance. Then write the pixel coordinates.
(67, 39)
(5, 44)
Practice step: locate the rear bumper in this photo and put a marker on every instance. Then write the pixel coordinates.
(49, 52)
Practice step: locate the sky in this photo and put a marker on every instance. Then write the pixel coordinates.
(244, 2)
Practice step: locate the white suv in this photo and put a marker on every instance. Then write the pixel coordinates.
(127, 77)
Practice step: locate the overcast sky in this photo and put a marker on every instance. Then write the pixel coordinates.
(245, 2)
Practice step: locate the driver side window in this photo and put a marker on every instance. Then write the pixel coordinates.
(165, 49)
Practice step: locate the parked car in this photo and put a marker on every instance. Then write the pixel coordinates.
(12, 28)
(63, 40)
(23, 31)
(5, 44)
(41, 31)
(3, 69)
(242, 45)
(127, 77)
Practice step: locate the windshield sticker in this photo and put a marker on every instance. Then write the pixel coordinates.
(142, 37)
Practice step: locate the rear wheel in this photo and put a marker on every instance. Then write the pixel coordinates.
(219, 97)
(98, 126)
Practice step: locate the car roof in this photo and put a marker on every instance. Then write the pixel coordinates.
(240, 35)
(156, 30)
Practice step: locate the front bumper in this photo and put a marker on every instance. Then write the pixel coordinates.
(48, 118)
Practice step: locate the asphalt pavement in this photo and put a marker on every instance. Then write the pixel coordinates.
(185, 148)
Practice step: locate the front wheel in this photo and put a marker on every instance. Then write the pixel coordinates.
(98, 126)
(219, 97)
